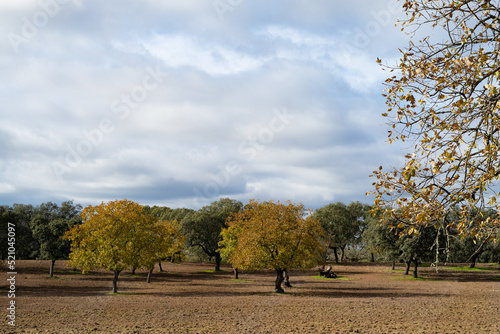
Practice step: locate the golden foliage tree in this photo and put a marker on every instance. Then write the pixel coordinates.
(272, 236)
(115, 236)
(444, 100)
(166, 241)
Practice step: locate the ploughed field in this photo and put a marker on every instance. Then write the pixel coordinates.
(188, 298)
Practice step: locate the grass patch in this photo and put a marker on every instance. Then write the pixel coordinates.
(469, 269)
(342, 278)
(122, 293)
(55, 277)
(130, 275)
(241, 280)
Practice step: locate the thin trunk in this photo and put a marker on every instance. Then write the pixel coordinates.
(218, 260)
(133, 271)
(51, 270)
(437, 249)
(407, 270)
(236, 274)
(342, 252)
(150, 272)
(473, 263)
(393, 264)
(415, 268)
(447, 246)
(336, 255)
(279, 280)
(115, 281)
(325, 254)
(372, 257)
(161, 269)
(286, 279)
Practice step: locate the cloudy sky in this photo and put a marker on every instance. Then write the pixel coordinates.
(179, 103)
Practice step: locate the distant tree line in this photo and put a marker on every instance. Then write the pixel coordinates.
(227, 230)
(432, 243)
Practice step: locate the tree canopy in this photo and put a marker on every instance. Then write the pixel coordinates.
(272, 235)
(49, 223)
(115, 236)
(443, 98)
(203, 227)
(343, 224)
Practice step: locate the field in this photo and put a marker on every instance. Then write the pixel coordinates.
(189, 298)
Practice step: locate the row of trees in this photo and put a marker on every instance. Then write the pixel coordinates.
(123, 234)
(435, 243)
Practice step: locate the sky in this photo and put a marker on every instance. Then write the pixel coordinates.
(180, 103)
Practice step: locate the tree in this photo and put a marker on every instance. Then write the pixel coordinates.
(27, 247)
(114, 236)
(416, 247)
(272, 236)
(166, 240)
(203, 227)
(444, 98)
(343, 225)
(382, 239)
(49, 224)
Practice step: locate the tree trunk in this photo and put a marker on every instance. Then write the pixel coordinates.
(279, 280)
(235, 273)
(150, 272)
(372, 259)
(325, 254)
(336, 255)
(473, 260)
(393, 264)
(342, 252)
(133, 271)
(115, 281)
(407, 270)
(51, 270)
(161, 269)
(286, 279)
(218, 260)
(415, 268)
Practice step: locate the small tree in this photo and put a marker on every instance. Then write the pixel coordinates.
(202, 228)
(115, 236)
(382, 239)
(49, 224)
(166, 240)
(343, 225)
(272, 236)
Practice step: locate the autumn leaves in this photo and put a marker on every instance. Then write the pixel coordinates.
(120, 234)
(272, 235)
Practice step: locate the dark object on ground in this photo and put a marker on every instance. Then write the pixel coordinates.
(328, 273)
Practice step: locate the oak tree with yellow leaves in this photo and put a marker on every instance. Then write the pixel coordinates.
(443, 99)
(118, 235)
(272, 235)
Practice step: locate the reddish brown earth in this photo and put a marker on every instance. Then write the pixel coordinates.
(368, 299)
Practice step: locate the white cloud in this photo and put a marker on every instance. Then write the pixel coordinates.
(179, 50)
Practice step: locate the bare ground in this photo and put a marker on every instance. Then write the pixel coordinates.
(368, 298)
